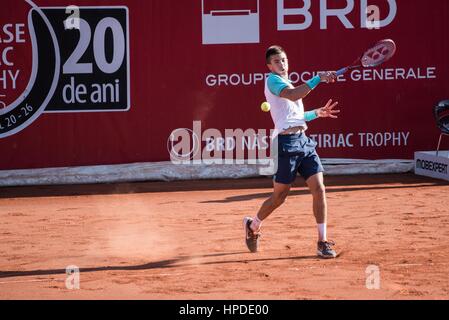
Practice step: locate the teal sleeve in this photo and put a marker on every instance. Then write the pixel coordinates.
(276, 84)
(310, 115)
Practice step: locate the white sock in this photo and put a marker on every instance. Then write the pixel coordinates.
(256, 224)
(322, 231)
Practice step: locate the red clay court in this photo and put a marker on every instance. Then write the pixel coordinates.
(184, 240)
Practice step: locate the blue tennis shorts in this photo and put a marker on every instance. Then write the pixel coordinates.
(296, 154)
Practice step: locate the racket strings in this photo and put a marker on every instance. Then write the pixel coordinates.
(380, 53)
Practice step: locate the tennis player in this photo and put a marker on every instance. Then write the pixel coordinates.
(296, 152)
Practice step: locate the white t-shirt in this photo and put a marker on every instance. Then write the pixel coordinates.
(284, 112)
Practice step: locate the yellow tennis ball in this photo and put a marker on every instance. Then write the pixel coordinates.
(265, 107)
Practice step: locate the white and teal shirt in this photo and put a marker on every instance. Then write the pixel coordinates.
(284, 112)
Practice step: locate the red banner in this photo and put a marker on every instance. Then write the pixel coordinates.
(108, 81)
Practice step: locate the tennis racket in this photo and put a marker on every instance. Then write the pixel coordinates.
(381, 52)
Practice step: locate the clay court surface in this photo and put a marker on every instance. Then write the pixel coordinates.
(184, 240)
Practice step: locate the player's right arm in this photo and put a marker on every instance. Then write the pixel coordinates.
(300, 92)
(297, 93)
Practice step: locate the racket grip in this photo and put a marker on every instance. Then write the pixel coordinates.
(341, 71)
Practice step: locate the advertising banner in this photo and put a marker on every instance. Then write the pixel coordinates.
(111, 81)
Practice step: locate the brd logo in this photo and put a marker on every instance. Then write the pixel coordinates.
(233, 22)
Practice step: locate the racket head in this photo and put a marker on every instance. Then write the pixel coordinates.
(381, 52)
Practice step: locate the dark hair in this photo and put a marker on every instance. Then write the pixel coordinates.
(272, 51)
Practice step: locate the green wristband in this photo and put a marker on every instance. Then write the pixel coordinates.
(314, 82)
(310, 115)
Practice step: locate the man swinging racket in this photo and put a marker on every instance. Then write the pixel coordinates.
(296, 151)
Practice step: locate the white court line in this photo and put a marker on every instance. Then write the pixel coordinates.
(416, 264)
(156, 275)
(58, 280)
(27, 281)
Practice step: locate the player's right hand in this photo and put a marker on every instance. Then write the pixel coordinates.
(328, 77)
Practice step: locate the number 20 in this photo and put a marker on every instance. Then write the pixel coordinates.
(73, 66)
